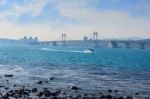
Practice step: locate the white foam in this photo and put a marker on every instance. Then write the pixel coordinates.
(72, 51)
(46, 49)
(17, 70)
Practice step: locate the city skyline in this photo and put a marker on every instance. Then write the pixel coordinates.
(48, 19)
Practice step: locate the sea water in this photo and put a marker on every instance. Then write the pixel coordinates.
(127, 70)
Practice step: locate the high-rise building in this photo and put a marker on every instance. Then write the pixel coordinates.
(36, 39)
(30, 39)
(85, 38)
(95, 36)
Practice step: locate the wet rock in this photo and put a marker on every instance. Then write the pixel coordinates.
(85, 94)
(116, 91)
(147, 98)
(54, 97)
(6, 88)
(136, 93)
(109, 97)
(54, 94)
(14, 85)
(103, 97)
(109, 90)
(100, 93)
(9, 75)
(34, 90)
(40, 94)
(1, 86)
(120, 98)
(74, 88)
(46, 81)
(16, 95)
(45, 89)
(115, 98)
(129, 97)
(47, 93)
(39, 82)
(7, 81)
(51, 78)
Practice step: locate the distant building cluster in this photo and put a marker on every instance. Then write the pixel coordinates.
(93, 41)
(30, 40)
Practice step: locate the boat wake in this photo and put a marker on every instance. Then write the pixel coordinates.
(72, 51)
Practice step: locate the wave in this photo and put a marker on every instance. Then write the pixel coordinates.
(72, 51)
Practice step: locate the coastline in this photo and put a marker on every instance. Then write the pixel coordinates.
(41, 90)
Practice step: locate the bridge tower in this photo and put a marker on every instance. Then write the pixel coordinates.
(95, 38)
(114, 44)
(63, 39)
(142, 45)
(127, 44)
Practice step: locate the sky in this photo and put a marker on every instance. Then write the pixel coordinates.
(48, 19)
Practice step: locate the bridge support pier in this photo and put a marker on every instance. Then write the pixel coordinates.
(114, 44)
(95, 38)
(142, 46)
(63, 39)
(127, 44)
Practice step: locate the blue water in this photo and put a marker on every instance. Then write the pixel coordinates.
(123, 69)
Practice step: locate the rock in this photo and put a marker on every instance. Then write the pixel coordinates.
(1, 86)
(7, 81)
(109, 90)
(115, 98)
(14, 85)
(9, 75)
(120, 98)
(34, 90)
(6, 88)
(46, 81)
(109, 97)
(54, 97)
(45, 89)
(74, 88)
(147, 98)
(17, 95)
(40, 82)
(85, 94)
(47, 93)
(54, 94)
(129, 97)
(103, 97)
(116, 91)
(136, 93)
(51, 78)
(40, 94)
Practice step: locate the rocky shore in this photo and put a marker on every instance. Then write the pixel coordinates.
(9, 90)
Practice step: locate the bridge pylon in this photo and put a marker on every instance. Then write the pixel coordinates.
(114, 44)
(142, 45)
(127, 44)
(63, 39)
(95, 39)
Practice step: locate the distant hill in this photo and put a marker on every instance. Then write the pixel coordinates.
(8, 41)
(134, 38)
(147, 40)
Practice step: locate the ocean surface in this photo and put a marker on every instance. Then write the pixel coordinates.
(127, 70)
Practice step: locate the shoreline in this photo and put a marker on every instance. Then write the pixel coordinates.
(41, 90)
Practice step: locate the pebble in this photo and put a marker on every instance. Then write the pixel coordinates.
(9, 75)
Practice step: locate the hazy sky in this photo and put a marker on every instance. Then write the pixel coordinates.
(47, 19)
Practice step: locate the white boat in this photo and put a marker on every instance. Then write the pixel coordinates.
(88, 51)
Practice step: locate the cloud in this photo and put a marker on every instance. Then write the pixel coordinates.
(3, 2)
(34, 7)
(76, 18)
